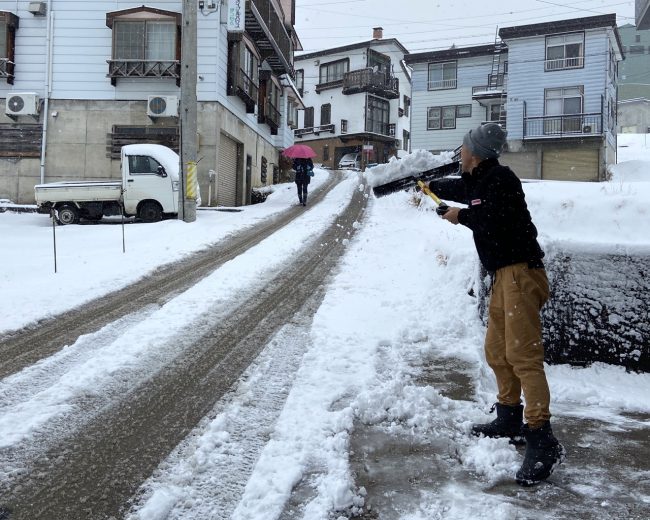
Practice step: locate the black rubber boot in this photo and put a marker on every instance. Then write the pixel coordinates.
(543, 454)
(508, 423)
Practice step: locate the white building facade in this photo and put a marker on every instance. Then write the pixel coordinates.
(80, 79)
(357, 99)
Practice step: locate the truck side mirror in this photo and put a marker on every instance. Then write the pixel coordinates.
(162, 172)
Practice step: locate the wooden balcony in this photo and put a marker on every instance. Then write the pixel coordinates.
(366, 80)
(7, 70)
(144, 69)
(266, 27)
(270, 115)
(563, 126)
(246, 90)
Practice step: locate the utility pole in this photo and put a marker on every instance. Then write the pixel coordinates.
(189, 147)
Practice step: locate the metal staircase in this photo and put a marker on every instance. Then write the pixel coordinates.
(497, 78)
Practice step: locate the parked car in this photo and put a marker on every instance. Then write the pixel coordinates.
(350, 161)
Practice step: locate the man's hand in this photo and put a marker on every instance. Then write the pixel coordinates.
(451, 215)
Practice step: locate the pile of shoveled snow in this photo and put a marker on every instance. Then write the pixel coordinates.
(412, 164)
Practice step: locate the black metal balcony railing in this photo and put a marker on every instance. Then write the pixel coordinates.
(366, 80)
(496, 85)
(567, 125)
(144, 69)
(267, 29)
(246, 90)
(7, 70)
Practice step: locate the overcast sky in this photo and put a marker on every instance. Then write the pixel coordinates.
(423, 25)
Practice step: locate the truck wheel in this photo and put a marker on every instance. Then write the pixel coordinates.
(150, 212)
(68, 214)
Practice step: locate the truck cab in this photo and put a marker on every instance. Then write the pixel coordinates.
(150, 181)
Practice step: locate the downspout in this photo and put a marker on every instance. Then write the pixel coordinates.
(48, 85)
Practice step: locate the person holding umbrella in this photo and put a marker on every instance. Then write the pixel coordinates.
(304, 167)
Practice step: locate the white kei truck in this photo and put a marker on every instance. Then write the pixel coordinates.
(148, 189)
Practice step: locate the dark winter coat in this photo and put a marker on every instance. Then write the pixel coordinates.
(303, 168)
(497, 214)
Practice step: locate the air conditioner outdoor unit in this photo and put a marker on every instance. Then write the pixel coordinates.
(162, 106)
(398, 144)
(23, 104)
(586, 129)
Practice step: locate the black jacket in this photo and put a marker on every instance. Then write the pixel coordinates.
(497, 214)
(302, 167)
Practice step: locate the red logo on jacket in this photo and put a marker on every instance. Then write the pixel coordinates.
(475, 202)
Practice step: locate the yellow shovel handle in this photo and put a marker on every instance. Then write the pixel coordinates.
(428, 192)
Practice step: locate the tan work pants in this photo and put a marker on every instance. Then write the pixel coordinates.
(513, 343)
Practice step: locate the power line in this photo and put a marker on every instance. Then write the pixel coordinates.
(463, 18)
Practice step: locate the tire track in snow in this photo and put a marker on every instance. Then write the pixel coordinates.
(93, 474)
(22, 348)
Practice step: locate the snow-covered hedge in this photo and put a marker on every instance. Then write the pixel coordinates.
(599, 307)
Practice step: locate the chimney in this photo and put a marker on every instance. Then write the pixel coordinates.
(377, 33)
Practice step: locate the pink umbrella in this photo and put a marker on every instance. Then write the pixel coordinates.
(299, 151)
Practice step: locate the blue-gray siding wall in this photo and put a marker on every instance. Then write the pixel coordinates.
(527, 79)
(471, 72)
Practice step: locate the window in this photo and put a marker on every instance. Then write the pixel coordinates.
(269, 101)
(326, 153)
(442, 75)
(243, 72)
(292, 114)
(406, 136)
(637, 49)
(433, 118)
(143, 165)
(300, 81)
(378, 62)
(565, 51)
(637, 38)
(496, 113)
(441, 118)
(8, 26)
(563, 103)
(407, 105)
(612, 64)
(333, 71)
(377, 115)
(344, 126)
(309, 117)
(3, 39)
(464, 111)
(146, 43)
(325, 114)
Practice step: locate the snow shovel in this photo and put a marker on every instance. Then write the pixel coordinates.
(442, 207)
(412, 180)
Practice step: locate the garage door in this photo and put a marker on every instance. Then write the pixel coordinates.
(524, 164)
(570, 165)
(227, 172)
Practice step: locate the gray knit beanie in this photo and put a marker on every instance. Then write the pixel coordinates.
(486, 141)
